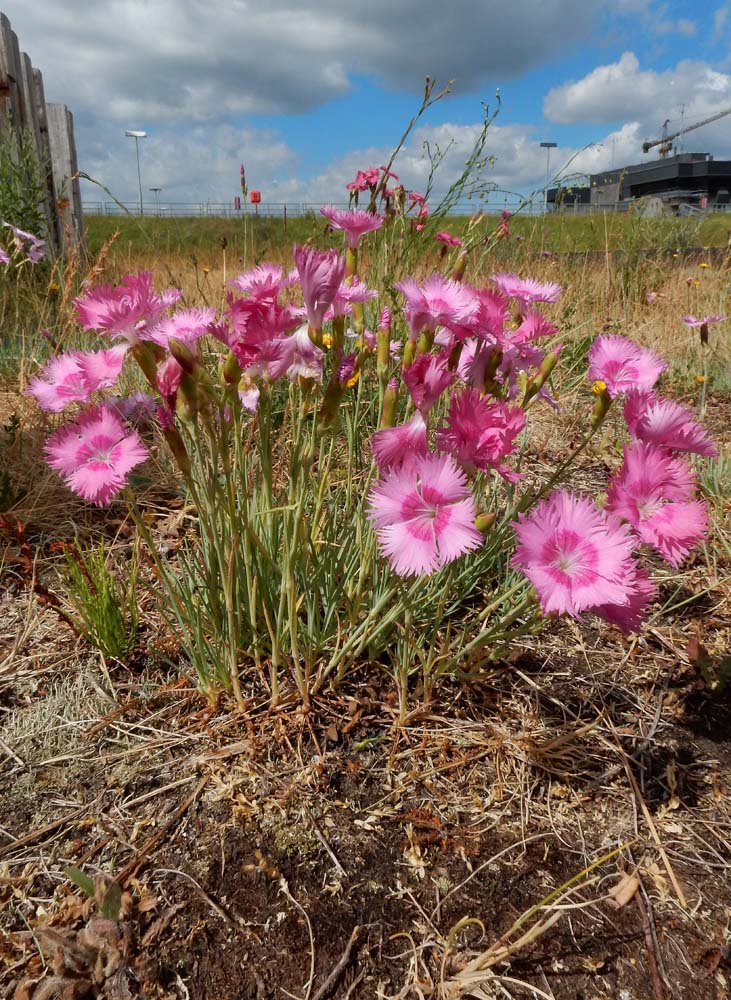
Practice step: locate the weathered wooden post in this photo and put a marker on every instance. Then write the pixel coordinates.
(26, 118)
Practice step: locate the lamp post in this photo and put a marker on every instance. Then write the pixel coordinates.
(548, 146)
(137, 135)
(156, 191)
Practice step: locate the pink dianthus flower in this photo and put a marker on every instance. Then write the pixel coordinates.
(31, 246)
(321, 273)
(444, 237)
(265, 281)
(186, 325)
(353, 223)
(623, 365)
(438, 302)
(526, 290)
(424, 515)
(653, 492)
(427, 378)
(73, 377)
(574, 556)
(394, 447)
(95, 454)
(667, 424)
(301, 356)
(480, 433)
(125, 310)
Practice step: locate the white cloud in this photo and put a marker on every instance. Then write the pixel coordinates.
(198, 165)
(609, 92)
(203, 60)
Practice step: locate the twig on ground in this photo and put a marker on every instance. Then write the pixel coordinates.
(34, 835)
(321, 837)
(143, 855)
(339, 968)
(651, 943)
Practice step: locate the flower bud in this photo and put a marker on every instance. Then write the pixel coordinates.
(601, 407)
(388, 410)
(409, 353)
(144, 355)
(460, 267)
(544, 371)
(484, 522)
(231, 369)
(383, 353)
(454, 355)
(338, 335)
(187, 403)
(177, 448)
(183, 355)
(351, 262)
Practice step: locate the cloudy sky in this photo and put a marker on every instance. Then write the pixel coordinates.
(306, 93)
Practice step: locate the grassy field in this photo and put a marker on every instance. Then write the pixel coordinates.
(558, 233)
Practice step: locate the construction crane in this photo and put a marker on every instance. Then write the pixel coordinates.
(666, 142)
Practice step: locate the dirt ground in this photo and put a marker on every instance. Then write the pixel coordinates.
(334, 855)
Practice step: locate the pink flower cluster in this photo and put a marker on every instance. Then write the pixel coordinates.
(475, 344)
(582, 559)
(482, 346)
(265, 336)
(447, 239)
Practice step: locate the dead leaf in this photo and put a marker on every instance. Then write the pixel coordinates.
(624, 890)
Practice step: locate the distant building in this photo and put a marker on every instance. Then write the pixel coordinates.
(694, 179)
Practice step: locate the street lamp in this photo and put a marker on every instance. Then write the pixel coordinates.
(548, 146)
(156, 191)
(136, 135)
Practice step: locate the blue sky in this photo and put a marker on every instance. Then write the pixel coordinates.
(305, 94)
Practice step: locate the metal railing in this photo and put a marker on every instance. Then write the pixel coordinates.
(277, 210)
(297, 210)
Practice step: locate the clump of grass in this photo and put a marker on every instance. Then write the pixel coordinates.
(102, 598)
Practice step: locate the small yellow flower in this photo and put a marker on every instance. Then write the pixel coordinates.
(598, 387)
(700, 379)
(327, 340)
(54, 288)
(704, 265)
(676, 255)
(353, 380)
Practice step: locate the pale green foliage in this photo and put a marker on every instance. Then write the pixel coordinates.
(101, 598)
(283, 572)
(22, 182)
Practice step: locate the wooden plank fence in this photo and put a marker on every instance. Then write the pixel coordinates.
(25, 115)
